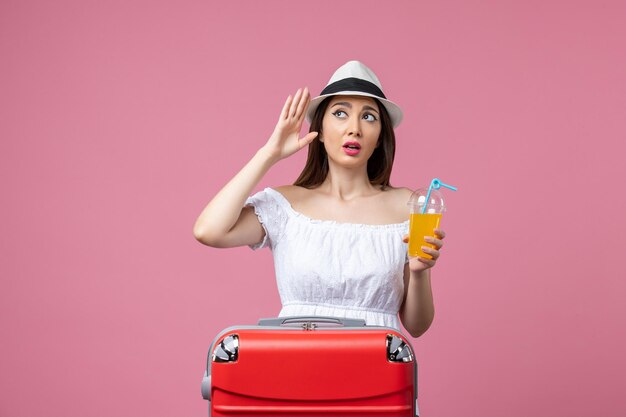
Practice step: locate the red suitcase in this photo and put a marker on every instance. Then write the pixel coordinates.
(313, 366)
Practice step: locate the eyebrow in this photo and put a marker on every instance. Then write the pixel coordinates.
(345, 103)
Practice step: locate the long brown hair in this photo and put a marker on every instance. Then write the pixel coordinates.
(378, 166)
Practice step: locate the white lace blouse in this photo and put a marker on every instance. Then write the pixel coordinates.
(327, 268)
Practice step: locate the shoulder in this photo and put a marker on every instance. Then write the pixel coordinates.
(293, 193)
(398, 196)
(401, 193)
(396, 200)
(286, 189)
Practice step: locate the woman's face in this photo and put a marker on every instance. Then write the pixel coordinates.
(350, 129)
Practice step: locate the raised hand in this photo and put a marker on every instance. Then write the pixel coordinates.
(285, 139)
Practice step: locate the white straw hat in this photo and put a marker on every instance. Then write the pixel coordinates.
(355, 79)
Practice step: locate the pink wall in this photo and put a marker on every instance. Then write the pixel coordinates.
(119, 120)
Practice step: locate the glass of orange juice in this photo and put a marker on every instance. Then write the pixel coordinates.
(424, 219)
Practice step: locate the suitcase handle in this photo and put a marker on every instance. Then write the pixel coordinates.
(283, 321)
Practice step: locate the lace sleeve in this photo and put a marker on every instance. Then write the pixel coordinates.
(271, 215)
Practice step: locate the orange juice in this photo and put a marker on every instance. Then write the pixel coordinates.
(421, 225)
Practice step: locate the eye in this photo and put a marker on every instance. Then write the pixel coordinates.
(369, 117)
(337, 113)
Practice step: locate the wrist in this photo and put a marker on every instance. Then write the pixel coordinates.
(267, 156)
(420, 275)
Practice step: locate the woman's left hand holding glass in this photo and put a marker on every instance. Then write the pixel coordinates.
(419, 264)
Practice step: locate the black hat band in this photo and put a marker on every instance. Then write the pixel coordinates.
(353, 84)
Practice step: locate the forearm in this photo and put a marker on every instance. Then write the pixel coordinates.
(222, 212)
(418, 309)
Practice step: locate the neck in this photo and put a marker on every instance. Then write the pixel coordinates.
(347, 183)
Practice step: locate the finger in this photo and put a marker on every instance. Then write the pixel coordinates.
(285, 112)
(405, 238)
(425, 261)
(434, 241)
(294, 103)
(432, 252)
(302, 105)
(310, 137)
(440, 233)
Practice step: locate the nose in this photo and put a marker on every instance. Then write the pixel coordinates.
(354, 128)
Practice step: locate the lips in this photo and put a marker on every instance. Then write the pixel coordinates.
(351, 148)
(352, 145)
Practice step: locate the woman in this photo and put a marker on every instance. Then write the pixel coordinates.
(338, 235)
